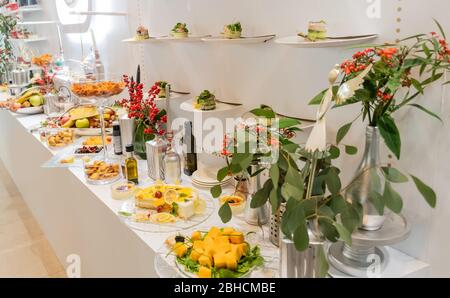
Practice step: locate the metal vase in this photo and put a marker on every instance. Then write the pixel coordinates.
(259, 216)
(275, 225)
(156, 150)
(127, 131)
(301, 264)
(367, 182)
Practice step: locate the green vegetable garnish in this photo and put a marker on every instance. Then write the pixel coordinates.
(236, 27)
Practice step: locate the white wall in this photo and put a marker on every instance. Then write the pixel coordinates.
(286, 78)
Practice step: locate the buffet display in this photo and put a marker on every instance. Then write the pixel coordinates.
(301, 188)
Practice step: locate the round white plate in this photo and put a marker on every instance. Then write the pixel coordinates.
(300, 42)
(180, 225)
(30, 111)
(88, 132)
(190, 38)
(242, 40)
(208, 180)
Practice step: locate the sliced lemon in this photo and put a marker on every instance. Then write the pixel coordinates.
(171, 196)
(162, 218)
(199, 206)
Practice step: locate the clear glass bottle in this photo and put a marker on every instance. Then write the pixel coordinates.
(131, 165)
(172, 163)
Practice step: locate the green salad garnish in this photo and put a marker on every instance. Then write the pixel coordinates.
(236, 27)
(180, 27)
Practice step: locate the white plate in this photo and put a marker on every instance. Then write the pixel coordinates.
(134, 41)
(31, 111)
(190, 38)
(242, 40)
(208, 180)
(188, 106)
(300, 42)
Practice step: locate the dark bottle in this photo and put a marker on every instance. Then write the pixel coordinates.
(131, 165)
(117, 139)
(189, 150)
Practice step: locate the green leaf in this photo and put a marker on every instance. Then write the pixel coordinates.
(394, 175)
(440, 28)
(275, 175)
(334, 152)
(275, 199)
(323, 267)
(378, 202)
(392, 199)
(262, 196)
(266, 113)
(338, 204)
(328, 230)
(333, 181)
(426, 191)
(287, 123)
(343, 131)
(346, 236)
(241, 161)
(423, 109)
(317, 100)
(350, 218)
(301, 237)
(225, 213)
(417, 85)
(289, 191)
(390, 134)
(294, 216)
(351, 150)
(222, 174)
(216, 191)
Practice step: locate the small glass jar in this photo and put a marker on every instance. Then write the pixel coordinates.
(123, 190)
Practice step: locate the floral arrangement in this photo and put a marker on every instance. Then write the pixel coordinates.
(150, 120)
(7, 25)
(391, 83)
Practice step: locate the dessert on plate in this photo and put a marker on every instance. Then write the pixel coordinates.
(159, 88)
(317, 31)
(233, 31)
(219, 253)
(206, 101)
(180, 31)
(141, 33)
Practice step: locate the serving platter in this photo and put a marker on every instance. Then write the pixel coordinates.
(144, 41)
(242, 40)
(301, 42)
(190, 38)
(30, 111)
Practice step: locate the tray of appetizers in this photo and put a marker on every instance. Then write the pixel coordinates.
(227, 252)
(163, 208)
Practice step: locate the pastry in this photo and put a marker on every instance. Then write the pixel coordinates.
(180, 31)
(206, 101)
(233, 31)
(317, 31)
(142, 33)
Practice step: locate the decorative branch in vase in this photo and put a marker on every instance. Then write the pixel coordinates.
(398, 74)
(150, 120)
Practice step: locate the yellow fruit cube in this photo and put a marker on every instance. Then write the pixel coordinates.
(180, 249)
(222, 240)
(227, 231)
(196, 254)
(220, 261)
(237, 250)
(231, 261)
(215, 232)
(204, 272)
(205, 261)
(198, 245)
(196, 236)
(222, 248)
(237, 238)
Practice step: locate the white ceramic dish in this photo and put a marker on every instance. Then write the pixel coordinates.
(242, 40)
(300, 42)
(31, 111)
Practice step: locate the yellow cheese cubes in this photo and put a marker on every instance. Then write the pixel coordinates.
(237, 238)
(180, 249)
(205, 261)
(196, 236)
(204, 272)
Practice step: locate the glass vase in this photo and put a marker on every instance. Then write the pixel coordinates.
(140, 140)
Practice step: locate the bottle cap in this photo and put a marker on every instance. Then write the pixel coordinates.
(129, 148)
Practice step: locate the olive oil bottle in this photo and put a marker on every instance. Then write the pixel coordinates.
(189, 148)
(131, 165)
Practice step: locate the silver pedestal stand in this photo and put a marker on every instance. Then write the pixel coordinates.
(367, 257)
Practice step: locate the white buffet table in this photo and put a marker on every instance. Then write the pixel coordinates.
(81, 219)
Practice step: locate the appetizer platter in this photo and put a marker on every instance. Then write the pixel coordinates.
(163, 208)
(216, 253)
(180, 33)
(102, 172)
(317, 37)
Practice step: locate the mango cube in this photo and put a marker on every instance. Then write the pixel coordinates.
(215, 232)
(180, 249)
(205, 261)
(196, 254)
(231, 261)
(196, 236)
(237, 238)
(204, 272)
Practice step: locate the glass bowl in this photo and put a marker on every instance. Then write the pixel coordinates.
(102, 172)
(59, 138)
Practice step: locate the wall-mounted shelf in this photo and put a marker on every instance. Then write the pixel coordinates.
(300, 42)
(242, 40)
(29, 40)
(145, 41)
(37, 23)
(190, 38)
(99, 13)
